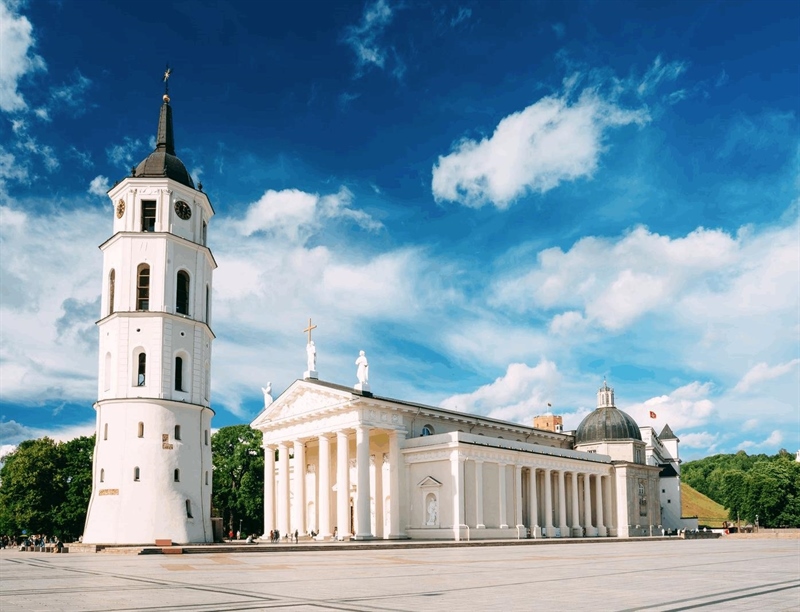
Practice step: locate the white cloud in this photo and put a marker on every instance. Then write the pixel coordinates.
(519, 395)
(17, 58)
(365, 38)
(72, 95)
(12, 433)
(536, 149)
(686, 407)
(773, 441)
(99, 186)
(702, 439)
(762, 372)
(658, 73)
(122, 154)
(296, 215)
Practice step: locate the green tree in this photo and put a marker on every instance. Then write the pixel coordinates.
(238, 464)
(45, 487)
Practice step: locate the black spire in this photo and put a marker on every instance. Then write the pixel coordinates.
(165, 139)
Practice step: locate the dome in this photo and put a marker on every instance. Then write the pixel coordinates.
(607, 423)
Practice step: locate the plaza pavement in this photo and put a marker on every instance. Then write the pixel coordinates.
(723, 574)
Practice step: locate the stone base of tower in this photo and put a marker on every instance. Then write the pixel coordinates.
(151, 473)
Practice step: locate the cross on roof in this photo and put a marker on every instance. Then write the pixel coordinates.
(309, 328)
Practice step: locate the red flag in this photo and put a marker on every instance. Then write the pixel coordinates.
(652, 415)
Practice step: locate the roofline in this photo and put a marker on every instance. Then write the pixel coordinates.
(141, 314)
(186, 242)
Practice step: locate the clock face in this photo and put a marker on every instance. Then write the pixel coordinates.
(183, 210)
(120, 209)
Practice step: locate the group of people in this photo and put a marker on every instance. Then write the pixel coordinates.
(275, 536)
(37, 542)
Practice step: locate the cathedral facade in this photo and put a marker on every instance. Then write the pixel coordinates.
(344, 463)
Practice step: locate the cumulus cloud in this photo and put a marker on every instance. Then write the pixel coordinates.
(773, 441)
(99, 186)
(296, 215)
(12, 433)
(686, 407)
(520, 394)
(763, 372)
(534, 150)
(17, 59)
(702, 439)
(612, 282)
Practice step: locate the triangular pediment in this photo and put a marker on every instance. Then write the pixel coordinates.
(429, 482)
(301, 398)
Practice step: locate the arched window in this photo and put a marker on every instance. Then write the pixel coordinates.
(427, 430)
(111, 278)
(141, 370)
(182, 294)
(189, 508)
(140, 432)
(178, 374)
(143, 287)
(205, 233)
(136, 474)
(177, 432)
(206, 437)
(102, 475)
(177, 475)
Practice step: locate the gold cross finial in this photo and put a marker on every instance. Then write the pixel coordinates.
(309, 328)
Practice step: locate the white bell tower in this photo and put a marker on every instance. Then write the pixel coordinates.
(152, 459)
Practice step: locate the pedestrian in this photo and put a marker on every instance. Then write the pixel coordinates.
(230, 534)
(296, 536)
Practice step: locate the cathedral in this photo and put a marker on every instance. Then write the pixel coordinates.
(344, 463)
(340, 462)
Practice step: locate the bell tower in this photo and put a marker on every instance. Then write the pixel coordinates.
(152, 459)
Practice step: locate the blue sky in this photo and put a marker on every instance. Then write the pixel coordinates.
(501, 203)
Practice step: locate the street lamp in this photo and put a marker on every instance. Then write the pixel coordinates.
(240, 528)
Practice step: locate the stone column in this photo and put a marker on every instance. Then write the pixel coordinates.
(501, 478)
(457, 465)
(548, 502)
(363, 522)
(518, 496)
(601, 526)
(577, 531)
(587, 505)
(533, 504)
(609, 511)
(324, 496)
(479, 524)
(562, 506)
(283, 488)
(395, 480)
(299, 520)
(377, 494)
(269, 490)
(342, 485)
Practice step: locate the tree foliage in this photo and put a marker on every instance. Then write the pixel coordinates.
(238, 492)
(45, 487)
(750, 486)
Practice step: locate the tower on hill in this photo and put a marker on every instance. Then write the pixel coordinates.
(152, 460)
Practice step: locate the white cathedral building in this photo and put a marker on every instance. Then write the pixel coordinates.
(340, 461)
(345, 463)
(152, 459)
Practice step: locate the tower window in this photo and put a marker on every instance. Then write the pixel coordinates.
(206, 476)
(177, 432)
(143, 287)
(208, 306)
(206, 437)
(140, 432)
(111, 278)
(178, 374)
(141, 370)
(105, 431)
(182, 294)
(102, 475)
(189, 508)
(177, 475)
(427, 431)
(136, 474)
(205, 232)
(148, 215)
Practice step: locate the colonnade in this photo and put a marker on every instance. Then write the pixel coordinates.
(280, 487)
(553, 505)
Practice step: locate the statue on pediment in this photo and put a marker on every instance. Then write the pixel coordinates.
(267, 391)
(362, 373)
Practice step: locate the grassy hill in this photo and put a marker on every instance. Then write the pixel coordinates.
(707, 511)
